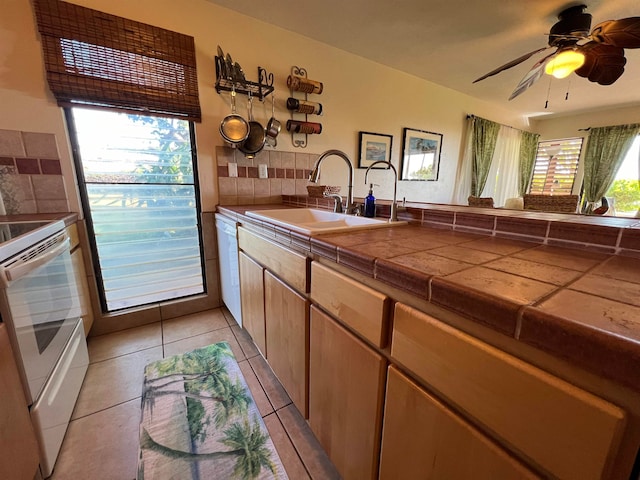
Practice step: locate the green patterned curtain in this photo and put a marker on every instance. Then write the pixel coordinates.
(485, 134)
(606, 150)
(528, 150)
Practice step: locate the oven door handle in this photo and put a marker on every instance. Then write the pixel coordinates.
(13, 273)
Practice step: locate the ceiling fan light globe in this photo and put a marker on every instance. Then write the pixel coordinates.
(564, 63)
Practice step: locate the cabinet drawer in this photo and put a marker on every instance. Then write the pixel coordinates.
(290, 266)
(360, 307)
(563, 429)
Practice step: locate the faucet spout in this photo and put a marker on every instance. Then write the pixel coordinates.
(394, 209)
(315, 174)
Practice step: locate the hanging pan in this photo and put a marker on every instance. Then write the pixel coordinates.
(256, 139)
(233, 128)
(274, 126)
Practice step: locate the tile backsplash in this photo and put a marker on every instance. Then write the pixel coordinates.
(30, 174)
(287, 175)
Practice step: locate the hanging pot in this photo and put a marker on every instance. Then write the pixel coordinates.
(254, 142)
(273, 126)
(233, 128)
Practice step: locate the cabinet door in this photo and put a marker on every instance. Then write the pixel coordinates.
(252, 297)
(287, 334)
(422, 438)
(18, 444)
(535, 413)
(346, 388)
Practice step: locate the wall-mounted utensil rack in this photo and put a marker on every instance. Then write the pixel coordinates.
(298, 139)
(232, 82)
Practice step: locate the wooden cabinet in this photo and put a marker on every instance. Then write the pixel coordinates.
(346, 390)
(252, 299)
(287, 338)
(291, 267)
(422, 438)
(18, 445)
(558, 427)
(356, 305)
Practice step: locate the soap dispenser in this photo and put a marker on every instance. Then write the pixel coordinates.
(370, 203)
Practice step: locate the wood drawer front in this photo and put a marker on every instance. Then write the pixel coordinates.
(563, 429)
(422, 438)
(358, 306)
(290, 266)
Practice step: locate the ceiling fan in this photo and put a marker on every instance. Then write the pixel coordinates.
(597, 56)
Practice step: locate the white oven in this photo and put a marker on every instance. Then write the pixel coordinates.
(40, 304)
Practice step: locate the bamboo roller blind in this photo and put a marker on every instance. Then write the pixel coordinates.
(93, 58)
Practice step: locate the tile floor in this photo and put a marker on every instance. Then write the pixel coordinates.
(102, 438)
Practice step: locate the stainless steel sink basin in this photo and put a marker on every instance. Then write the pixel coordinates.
(311, 221)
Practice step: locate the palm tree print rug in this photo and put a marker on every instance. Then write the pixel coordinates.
(199, 421)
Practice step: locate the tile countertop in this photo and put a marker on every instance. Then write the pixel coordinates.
(580, 305)
(68, 218)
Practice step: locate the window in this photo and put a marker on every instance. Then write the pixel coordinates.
(624, 193)
(138, 181)
(556, 165)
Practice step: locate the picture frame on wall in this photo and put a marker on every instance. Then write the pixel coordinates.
(374, 147)
(420, 159)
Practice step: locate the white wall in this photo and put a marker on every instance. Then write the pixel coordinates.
(569, 126)
(359, 95)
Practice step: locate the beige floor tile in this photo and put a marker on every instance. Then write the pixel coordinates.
(114, 381)
(101, 446)
(287, 453)
(257, 392)
(191, 325)
(230, 319)
(246, 342)
(311, 453)
(199, 341)
(127, 341)
(272, 387)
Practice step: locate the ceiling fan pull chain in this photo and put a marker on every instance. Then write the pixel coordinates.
(566, 97)
(546, 104)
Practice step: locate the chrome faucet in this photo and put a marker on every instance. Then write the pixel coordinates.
(394, 208)
(315, 175)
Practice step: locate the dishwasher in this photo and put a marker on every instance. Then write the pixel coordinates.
(229, 269)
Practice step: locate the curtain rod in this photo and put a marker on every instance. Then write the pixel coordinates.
(470, 115)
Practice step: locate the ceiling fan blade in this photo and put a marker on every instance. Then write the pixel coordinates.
(623, 33)
(512, 63)
(532, 76)
(603, 63)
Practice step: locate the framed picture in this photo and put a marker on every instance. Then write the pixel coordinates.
(420, 155)
(374, 147)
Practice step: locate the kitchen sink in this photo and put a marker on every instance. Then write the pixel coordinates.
(312, 221)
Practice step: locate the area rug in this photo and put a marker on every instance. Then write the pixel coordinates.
(199, 421)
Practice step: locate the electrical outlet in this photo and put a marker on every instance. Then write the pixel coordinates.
(262, 170)
(233, 169)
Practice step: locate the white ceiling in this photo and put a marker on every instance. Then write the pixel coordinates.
(453, 42)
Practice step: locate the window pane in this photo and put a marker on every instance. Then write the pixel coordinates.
(624, 193)
(139, 181)
(556, 166)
